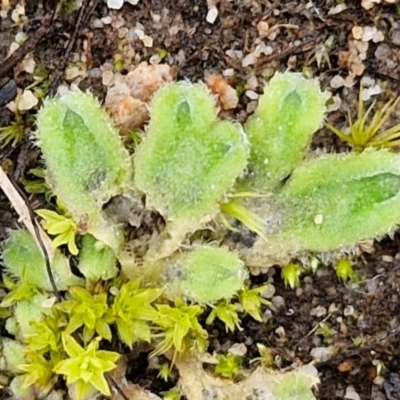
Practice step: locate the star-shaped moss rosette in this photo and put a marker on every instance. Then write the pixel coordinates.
(85, 367)
(88, 310)
(38, 371)
(63, 228)
(133, 312)
(180, 328)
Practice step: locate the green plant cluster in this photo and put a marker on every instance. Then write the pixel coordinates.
(169, 228)
(54, 340)
(367, 130)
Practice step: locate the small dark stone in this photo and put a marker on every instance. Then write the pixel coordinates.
(247, 239)
(8, 92)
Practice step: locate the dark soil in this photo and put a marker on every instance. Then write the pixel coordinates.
(198, 49)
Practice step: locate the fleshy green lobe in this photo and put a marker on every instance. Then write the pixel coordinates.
(189, 160)
(280, 131)
(23, 260)
(205, 275)
(96, 260)
(341, 199)
(86, 161)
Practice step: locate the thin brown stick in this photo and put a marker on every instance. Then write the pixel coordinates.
(301, 48)
(23, 211)
(21, 163)
(27, 217)
(313, 330)
(115, 385)
(89, 13)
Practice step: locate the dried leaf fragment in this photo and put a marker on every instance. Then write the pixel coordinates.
(132, 391)
(197, 384)
(127, 95)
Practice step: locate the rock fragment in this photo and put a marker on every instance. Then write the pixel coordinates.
(128, 95)
(227, 96)
(26, 100)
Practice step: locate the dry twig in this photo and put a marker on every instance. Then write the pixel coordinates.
(23, 211)
(27, 217)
